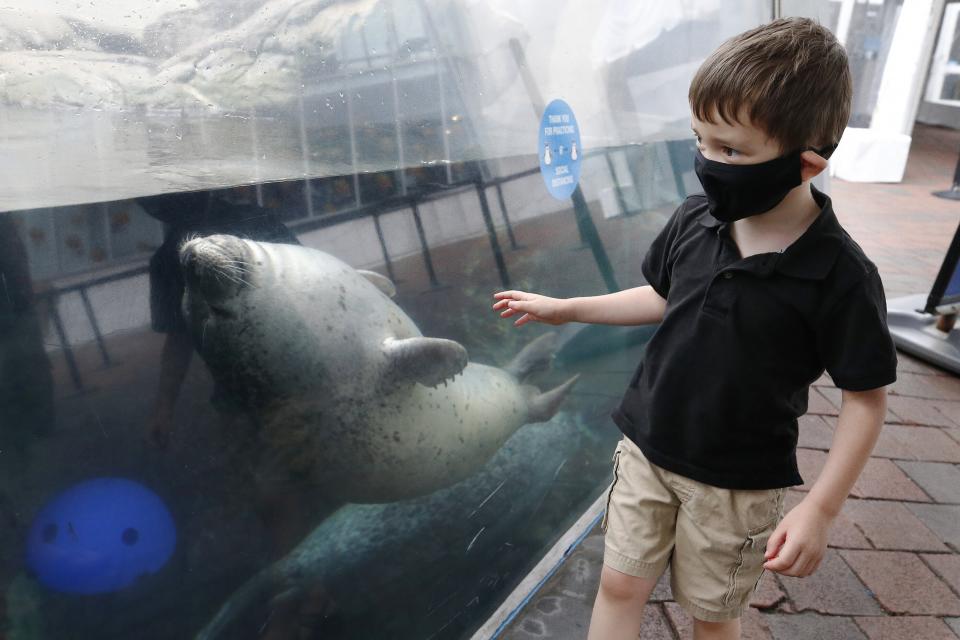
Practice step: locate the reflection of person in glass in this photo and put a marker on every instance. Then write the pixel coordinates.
(26, 383)
(192, 214)
(758, 290)
(26, 391)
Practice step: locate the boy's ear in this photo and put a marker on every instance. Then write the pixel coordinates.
(811, 164)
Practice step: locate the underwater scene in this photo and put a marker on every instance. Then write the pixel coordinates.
(251, 384)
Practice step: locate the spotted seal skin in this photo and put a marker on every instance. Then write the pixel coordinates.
(454, 530)
(350, 395)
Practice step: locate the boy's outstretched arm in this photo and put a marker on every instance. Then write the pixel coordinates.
(639, 305)
(800, 540)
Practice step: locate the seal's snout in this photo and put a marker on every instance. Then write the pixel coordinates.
(212, 252)
(215, 265)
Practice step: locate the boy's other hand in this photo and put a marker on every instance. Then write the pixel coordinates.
(797, 545)
(533, 306)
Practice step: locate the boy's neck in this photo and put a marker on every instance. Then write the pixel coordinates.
(794, 213)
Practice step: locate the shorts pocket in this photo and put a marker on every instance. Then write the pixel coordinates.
(746, 573)
(616, 475)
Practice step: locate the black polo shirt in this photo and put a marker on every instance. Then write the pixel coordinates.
(727, 372)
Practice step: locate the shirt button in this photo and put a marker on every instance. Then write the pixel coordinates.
(728, 274)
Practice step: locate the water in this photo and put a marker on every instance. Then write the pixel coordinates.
(74, 407)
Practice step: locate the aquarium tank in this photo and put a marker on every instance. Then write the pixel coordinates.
(251, 384)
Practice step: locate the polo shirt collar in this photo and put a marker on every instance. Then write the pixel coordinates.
(811, 256)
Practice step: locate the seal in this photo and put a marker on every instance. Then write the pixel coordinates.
(412, 542)
(350, 396)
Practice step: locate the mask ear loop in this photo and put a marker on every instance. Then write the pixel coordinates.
(825, 151)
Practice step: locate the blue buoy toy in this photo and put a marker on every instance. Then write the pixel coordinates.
(100, 536)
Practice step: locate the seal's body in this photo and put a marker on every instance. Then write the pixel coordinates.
(349, 393)
(409, 543)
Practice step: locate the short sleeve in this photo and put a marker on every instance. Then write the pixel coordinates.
(657, 263)
(853, 340)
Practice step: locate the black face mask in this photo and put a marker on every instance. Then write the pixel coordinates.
(737, 191)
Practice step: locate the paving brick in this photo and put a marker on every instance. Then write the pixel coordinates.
(815, 432)
(818, 404)
(753, 624)
(843, 533)
(917, 411)
(769, 594)
(823, 381)
(902, 627)
(832, 588)
(939, 479)
(916, 443)
(902, 583)
(881, 478)
(949, 409)
(810, 462)
(878, 479)
(924, 386)
(812, 626)
(655, 625)
(945, 565)
(679, 619)
(891, 445)
(911, 364)
(662, 591)
(890, 525)
(942, 519)
(953, 433)
(835, 396)
(954, 624)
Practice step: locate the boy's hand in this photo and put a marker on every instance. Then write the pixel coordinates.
(533, 306)
(799, 541)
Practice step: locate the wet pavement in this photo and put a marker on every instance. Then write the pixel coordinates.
(892, 568)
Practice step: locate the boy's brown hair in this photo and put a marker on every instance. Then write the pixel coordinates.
(790, 77)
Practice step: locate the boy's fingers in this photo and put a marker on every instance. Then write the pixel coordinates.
(517, 295)
(786, 558)
(774, 543)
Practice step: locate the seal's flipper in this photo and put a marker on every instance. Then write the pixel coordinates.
(428, 361)
(380, 282)
(256, 589)
(536, 356)
(543, 406)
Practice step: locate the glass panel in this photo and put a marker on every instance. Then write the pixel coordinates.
(867, 39)
(951, 87)
(313, 423)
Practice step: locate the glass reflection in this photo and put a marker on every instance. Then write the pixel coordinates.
(270, 358)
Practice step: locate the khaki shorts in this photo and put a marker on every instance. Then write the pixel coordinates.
(714, 539)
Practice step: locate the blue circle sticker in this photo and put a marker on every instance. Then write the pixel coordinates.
(559, 150)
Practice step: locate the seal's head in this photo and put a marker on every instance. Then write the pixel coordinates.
(216, 270)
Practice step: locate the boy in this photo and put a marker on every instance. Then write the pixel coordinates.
(758, 290)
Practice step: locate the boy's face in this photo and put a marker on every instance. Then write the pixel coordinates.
(733, 143)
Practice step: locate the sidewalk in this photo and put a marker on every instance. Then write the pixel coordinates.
(892, 569)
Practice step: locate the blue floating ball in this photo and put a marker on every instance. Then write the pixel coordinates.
(100, 536)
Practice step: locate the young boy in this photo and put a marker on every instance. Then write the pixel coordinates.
(758, 290)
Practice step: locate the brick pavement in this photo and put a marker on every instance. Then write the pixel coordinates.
(892, 570)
